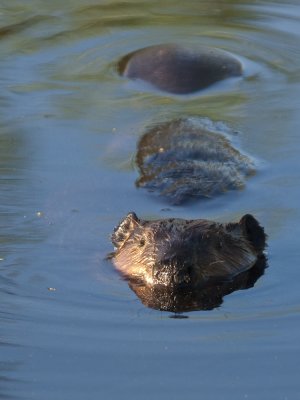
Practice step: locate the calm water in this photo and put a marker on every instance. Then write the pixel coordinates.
(68, 132)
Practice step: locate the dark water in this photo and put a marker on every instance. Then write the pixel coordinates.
(68, 132)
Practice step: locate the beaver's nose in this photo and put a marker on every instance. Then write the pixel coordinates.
(168, 273)
(162, 269)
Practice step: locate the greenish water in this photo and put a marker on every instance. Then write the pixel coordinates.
(68, 132)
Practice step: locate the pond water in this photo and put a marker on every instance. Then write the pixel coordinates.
(71, 328)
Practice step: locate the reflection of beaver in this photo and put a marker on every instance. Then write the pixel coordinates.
(204, 297)
(178, 69)
(182, 161)
(181, 253)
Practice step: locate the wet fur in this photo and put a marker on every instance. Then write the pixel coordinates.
(182, 161)
(178, 252)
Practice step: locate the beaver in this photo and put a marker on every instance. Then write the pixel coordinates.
(179, 69)
(185, 253)
(182, 161)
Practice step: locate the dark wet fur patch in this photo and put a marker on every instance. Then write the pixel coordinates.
(182, 161)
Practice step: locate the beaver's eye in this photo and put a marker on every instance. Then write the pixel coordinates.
(142, 242)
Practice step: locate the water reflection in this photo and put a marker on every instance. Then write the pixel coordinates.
(13, 163)
(19, 233)
(7, 369)
(18, 219)
(206, 297)
(19, 27)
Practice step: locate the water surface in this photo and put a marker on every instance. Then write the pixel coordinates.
(70, 327)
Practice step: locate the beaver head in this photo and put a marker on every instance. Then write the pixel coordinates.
(178, 252)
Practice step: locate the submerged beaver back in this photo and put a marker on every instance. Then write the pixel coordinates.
(181, 160)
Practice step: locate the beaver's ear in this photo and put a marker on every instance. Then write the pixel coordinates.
(124, 229)
(253, 231)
